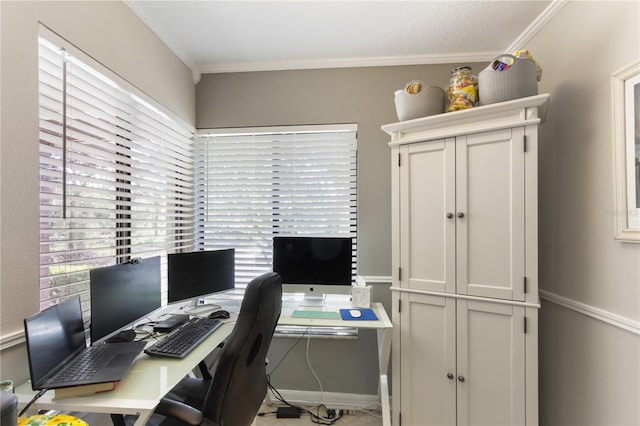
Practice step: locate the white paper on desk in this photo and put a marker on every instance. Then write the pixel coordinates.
(361, 297)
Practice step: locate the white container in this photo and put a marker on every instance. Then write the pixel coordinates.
(519, 80)
(361, 297)
(423, 102)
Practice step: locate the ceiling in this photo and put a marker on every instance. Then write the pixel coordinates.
(234, 36)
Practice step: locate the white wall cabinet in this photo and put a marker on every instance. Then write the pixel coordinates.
(472, 357)
(464, 215)
(465, 285)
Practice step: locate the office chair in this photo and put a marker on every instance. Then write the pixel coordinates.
(239, 384)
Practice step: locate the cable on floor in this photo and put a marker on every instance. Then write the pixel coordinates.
(330, 417)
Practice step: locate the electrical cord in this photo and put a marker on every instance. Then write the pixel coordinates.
(30, 403)
(140, 328)
(319, 403)
(306, 334)
(331, 417)
(308, 330)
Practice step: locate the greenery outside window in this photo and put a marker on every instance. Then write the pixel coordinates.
(116, 173)
(254, 184)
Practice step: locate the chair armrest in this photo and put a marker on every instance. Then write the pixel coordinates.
(180, 411)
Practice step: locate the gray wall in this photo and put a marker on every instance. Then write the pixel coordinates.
(353, 95)
(589, 369)
(110, 33)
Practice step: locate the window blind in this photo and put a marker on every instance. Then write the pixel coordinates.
(116, 174)
(254, 185)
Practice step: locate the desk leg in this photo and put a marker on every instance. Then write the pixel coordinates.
(384, 355)
(118, 420)
(143, 418)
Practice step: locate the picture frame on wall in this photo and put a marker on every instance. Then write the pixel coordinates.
(625, 88)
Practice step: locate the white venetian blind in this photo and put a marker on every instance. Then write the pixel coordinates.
(116, 174)
(255, 184)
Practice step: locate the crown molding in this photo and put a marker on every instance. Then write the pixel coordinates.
(348, 62)
(543, 19)
(196, 74)
(547, 15)
(197, 70)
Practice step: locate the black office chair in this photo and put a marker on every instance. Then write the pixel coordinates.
(239, 384)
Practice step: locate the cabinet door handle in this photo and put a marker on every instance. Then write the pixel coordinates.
(450, 376)
(460, 378)
(460, 215)
(449, 215)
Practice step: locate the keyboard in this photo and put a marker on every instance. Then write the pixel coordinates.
(184, 339)
(86, 365)
(315, 314)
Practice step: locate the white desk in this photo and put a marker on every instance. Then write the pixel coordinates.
(139, 392)
(151, 378)
(383, 330)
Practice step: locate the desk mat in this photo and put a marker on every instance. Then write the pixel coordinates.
(365, 315)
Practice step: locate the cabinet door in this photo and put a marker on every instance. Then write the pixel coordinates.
(490, 214)
(491, 364)
(427, 236)
(427, 348)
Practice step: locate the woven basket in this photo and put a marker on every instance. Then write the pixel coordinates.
(428, 101)
(519, 80)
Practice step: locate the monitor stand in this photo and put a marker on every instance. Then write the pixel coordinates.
(313, 300)
(203, 307)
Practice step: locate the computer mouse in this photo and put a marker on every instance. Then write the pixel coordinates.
(355, 313)
(221, 313)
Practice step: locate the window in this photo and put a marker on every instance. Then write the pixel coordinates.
(252, 185)
(116, 173)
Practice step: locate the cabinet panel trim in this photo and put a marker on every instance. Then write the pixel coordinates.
(466, 297)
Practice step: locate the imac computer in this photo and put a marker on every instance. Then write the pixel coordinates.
(194, 275)
(122, 294)
(314, 266)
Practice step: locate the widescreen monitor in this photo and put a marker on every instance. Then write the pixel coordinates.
(314, 265)
(197, 274)
(122, 294)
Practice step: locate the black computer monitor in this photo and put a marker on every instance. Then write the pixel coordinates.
(197, 274)
(314, 266)
(122, 294)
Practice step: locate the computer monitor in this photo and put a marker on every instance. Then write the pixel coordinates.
(194, 275)
(314, 266)
(122, 294)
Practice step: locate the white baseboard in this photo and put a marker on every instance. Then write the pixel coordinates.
(335, 400)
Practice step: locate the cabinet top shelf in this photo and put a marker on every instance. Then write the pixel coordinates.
(517, 112)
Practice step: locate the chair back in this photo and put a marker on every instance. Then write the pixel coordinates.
(239, 384)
